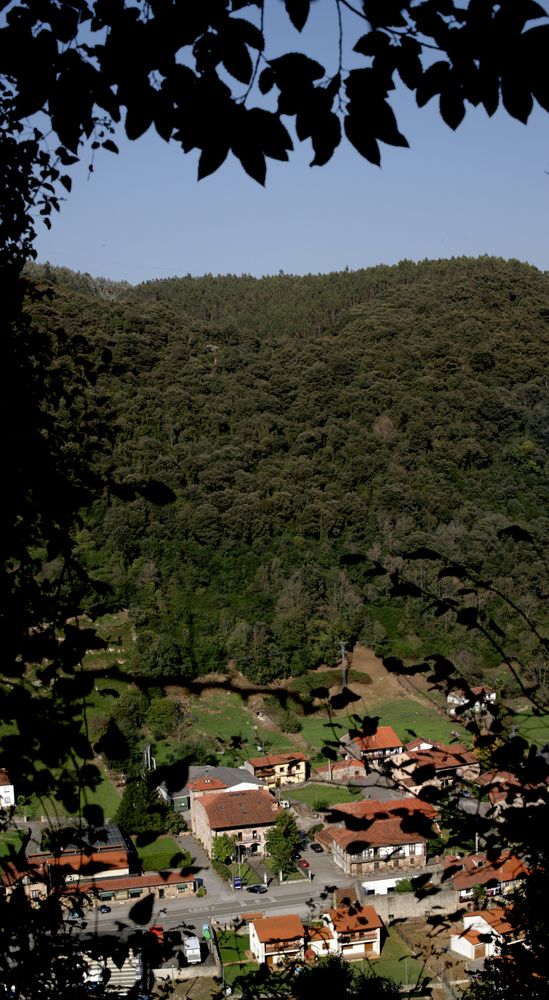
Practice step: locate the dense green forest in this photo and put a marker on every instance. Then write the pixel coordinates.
(309, 429)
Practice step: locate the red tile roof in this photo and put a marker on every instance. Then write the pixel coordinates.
(383, 833)
(206, 785)
(4, 777)
(319, 934)
(12, 873)
(370, 808)
(350, 918)
(381, 824)
(478, 869)
(231, 809)
(384, 738)
(147, 881)
(276, 929)
(442, 757)
(277, 758)
(497, 919)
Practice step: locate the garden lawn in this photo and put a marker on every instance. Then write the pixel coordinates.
(534, 728)
(10, 843)
(318, 728)
(105, 796)
(411, 718)
(396, 962)
(159, 854)
(233, 947)
(225, 716)
(233, 972)
(314, 794)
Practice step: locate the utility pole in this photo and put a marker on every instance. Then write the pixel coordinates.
(344, 665)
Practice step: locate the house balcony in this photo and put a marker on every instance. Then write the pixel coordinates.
(286, 947)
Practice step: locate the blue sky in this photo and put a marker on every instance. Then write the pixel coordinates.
(481, 190)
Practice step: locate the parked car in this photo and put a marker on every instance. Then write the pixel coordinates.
(191, 950)
(104, 908)
(256, 888)
(317, 848)
(75, 915)
(303, 863)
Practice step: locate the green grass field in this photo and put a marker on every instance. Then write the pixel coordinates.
(10, 843)
(105, 796)
(322, 793)
(159, 854)
(396, 962)
(410, 718)
(534, 728)
(225, 716)
(233, 946)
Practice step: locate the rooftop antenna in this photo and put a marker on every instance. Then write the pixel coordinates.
(344, 665)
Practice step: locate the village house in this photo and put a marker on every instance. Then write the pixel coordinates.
(375, 748)
(506, 791)
(484, 932)
(275, 941)
(475, 699)
(278, 770)
(245, 816)
(356, 931)
(92, 853)
(498, 876)
(379, 836)
(428, 762)
(7, 791)
(236, 779)
(20, 876)
(170, 884)
(344, 772)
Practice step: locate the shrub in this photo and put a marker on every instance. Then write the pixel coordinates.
(404, 885)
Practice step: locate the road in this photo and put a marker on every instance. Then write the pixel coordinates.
(221, 904)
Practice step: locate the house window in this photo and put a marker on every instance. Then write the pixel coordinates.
(254, 834)
(239, 836)
(35, 893)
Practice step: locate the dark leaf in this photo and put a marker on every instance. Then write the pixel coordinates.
(343, 699)
(352, 559)
(452, 107)
(298, 12)
(516, 533)
(433, 82)
(516, 96)
(372, 44)
(405, 588)
(93, 815)
(138, 118)
(329, 753)
(496, 628)
(142, 911)
(453, 570)
(211, 159)
(266, 80)
(110, 145)
(155, 492)
(237, 61)
(468, 617)
(422, 553)
(362, 139)
(253, 162)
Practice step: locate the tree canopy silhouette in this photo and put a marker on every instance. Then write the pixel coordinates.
(209, 76)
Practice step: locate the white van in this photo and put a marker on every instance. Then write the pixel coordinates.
(191, 950)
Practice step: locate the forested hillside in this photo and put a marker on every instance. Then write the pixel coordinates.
(310, 428)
